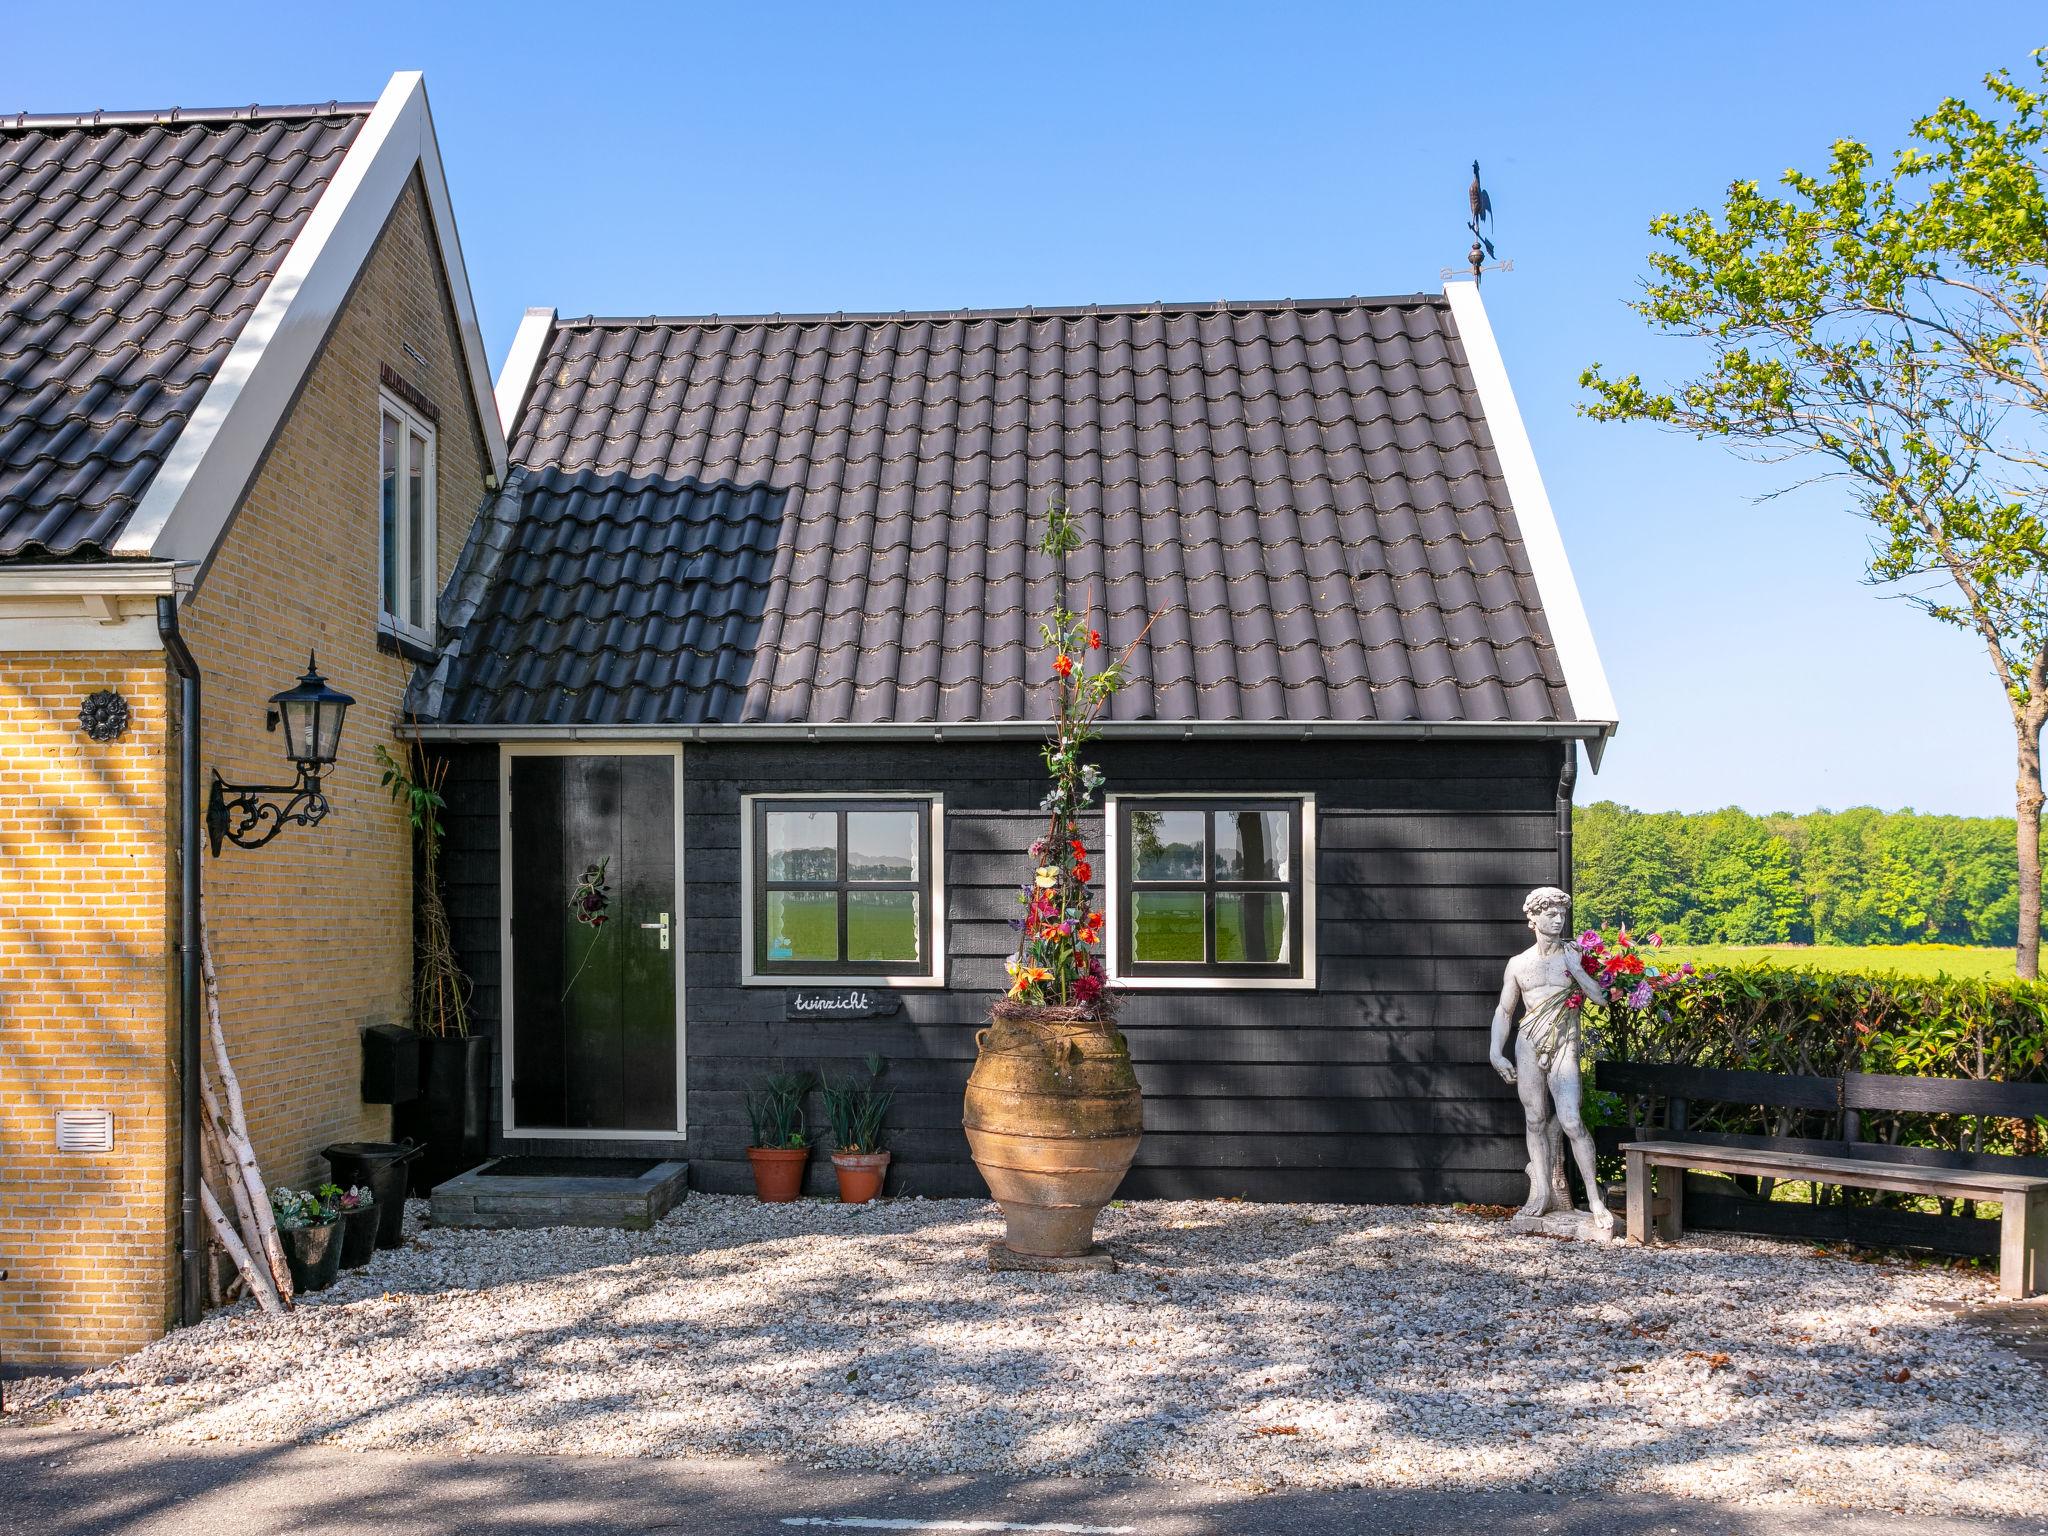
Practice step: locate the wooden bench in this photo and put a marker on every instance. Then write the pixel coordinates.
(2018, 1185)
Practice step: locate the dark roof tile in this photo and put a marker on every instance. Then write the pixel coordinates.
(132, 253)
(815, 519)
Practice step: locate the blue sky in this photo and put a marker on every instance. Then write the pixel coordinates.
(685, 159)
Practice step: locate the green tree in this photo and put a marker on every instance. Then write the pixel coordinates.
(1888, 329)
(1742, 882)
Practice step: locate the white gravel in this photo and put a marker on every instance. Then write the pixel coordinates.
(1257, 1345)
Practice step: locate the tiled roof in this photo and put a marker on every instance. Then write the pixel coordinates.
(133, 250)
(834, 519)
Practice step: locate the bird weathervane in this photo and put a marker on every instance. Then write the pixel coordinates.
(1480, 202)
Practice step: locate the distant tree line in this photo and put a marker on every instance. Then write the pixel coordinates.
(1861, 876)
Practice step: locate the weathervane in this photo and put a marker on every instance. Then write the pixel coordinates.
(1481, 204)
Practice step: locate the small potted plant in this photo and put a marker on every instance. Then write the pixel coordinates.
(781, 1148)
(856, 1111)
(357, 1206)
(312, 1238)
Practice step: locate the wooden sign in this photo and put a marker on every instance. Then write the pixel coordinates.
(840, 1003)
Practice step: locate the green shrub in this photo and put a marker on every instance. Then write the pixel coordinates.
(1764, 1019)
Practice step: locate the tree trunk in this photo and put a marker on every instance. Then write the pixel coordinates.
(2028, 808)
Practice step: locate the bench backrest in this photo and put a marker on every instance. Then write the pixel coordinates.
(1943, 1095)
(1779, 1090)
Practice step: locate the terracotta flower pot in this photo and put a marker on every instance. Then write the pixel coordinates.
(1053, 1118)
(860, 1175)
(778, 1172)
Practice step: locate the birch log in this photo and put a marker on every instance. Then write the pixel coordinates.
(264, 1284)
(236, 1126)
(224, 1230)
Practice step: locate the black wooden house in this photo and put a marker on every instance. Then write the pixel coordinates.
(754, 622)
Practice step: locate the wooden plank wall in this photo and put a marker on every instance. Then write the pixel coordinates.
(1374, 1087)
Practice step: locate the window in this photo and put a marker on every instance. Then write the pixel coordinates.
(405, 561)
(1213, 890)
(842, 887)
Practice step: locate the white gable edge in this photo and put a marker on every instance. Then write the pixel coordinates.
(1585, 678)
(515, 379)
(187, 506)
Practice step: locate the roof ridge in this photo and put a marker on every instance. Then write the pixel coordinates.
(1021, 312)
(175, 117)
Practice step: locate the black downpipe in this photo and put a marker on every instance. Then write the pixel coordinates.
(191, 1250)
(1567, 777)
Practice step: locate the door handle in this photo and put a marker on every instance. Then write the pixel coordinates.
(663, 926)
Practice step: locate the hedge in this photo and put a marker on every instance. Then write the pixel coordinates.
(1764, 1019)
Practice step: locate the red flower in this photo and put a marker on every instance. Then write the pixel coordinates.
(1094, 639)
(1088, 988)
(1082, 872)
(1063, 664)
(1080, 850)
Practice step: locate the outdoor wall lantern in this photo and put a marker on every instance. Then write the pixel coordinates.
(311, 714)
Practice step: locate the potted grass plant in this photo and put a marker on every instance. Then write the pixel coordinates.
(782, 1146)
(855, 1110)
(312, 1237)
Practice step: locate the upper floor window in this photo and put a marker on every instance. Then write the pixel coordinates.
(406, 565)
(843, 887)
(1213, 891)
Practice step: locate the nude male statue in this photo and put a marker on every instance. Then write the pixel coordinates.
(1545, 1070)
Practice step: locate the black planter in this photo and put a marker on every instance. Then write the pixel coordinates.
(382, 1166)
(452, 1113)
(391, 1064)
(358, 1236)
(314, 1255)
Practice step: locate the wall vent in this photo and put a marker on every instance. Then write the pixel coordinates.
(85, 1130)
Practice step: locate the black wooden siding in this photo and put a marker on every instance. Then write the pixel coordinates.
(1373, 1087)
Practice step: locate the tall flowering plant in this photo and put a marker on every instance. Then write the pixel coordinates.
(1057, 961)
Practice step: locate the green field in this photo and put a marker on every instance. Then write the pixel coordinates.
(1852, 959)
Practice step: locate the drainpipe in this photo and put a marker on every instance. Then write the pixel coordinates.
(191, 1251)
(1567, 776)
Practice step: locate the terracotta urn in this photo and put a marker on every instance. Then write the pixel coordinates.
(1053, 1118)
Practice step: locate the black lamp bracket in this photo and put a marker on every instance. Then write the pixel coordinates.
(240, 813)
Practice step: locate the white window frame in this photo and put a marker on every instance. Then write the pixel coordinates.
(410, 421)
(935, 864)
(1113, 898)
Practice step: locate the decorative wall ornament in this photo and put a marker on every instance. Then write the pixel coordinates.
(104, 715)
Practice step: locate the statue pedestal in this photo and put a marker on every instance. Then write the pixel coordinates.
(1576, 1225)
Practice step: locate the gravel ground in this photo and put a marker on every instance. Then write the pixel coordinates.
(1256, 1345)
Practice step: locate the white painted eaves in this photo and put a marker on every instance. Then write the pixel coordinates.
(187, 506)
(1571, 632)
(515, 379)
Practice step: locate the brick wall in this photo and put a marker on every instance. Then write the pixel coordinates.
(87, 1011)
(311, 934)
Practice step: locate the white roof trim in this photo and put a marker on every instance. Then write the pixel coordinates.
(188, 504)
(1584, 677)
(103, 578)
(515, 379)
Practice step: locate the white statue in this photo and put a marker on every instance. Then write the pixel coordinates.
(1545, 1071)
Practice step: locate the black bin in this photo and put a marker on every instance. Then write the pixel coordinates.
(381, 1166)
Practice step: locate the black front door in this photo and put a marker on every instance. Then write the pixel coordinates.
(593, 1006)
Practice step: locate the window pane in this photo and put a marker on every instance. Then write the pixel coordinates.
(881, 925)
(416, 532)
(803, 845)
(881, 845)
(803, 925)
(1167, 845)
(1251, 927)
(1251, 845)
(390, 514)
(1166, 928)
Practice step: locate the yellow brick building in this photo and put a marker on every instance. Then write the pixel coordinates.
(247, 330)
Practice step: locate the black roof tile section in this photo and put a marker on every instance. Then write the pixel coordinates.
(834, 518)
(133, 249)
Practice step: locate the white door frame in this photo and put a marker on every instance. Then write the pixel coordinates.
(507, 1001)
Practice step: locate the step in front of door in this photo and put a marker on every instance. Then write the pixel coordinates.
(480, 1199)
